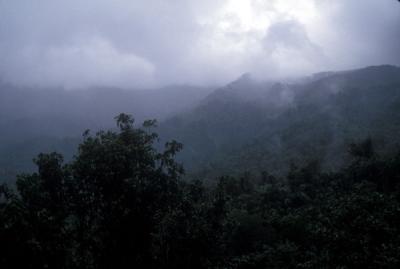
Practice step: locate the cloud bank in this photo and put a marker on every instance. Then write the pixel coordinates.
(141, 44)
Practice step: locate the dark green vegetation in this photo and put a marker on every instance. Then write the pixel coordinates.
(303, 174)
(121, 204)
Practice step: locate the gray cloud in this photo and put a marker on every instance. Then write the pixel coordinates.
(131, 43)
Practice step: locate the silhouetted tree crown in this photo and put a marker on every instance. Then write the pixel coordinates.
(122, 204)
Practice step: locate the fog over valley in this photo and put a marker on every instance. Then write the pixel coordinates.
(214, 134)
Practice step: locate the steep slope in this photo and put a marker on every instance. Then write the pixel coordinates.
(245, 126)
(265, 126)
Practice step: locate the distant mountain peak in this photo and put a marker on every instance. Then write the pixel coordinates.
(244, 79)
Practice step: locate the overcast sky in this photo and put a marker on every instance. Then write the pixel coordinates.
(150, 43)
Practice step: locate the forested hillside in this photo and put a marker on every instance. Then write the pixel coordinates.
(186, 134)
(303, 174)
(248, 125)
(265, 126)
(122, 204)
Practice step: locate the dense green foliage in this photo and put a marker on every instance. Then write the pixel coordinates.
(121, 204)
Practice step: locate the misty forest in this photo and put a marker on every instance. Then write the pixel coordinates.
(218, 134)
